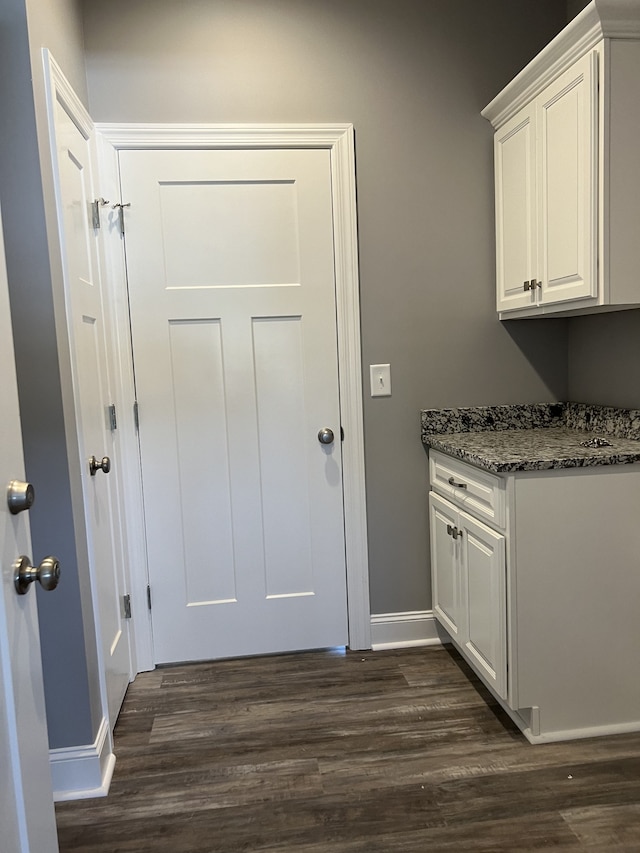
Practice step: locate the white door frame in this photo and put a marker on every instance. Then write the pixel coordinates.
(339, 140)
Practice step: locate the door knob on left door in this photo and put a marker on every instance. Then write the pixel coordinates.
(325, 436)
(24, 574)
(94, 465)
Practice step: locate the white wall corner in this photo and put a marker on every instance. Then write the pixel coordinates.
(403, 630)
(82, 772)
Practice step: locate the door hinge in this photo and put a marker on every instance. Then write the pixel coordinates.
(136, 419)
(120, 208)
(113, 421)
(149, 596)
(126, 606)
(341, 433)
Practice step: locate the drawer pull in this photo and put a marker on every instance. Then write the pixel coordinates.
(455, 485)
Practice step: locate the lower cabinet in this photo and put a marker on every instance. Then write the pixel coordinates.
(469, 588)
(536, 579)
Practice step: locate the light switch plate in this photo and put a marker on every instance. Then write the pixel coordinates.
(380, 375)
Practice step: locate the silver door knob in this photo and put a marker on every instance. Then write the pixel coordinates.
(94, 465)
(24, 574)
(326, 436)
(20, 496)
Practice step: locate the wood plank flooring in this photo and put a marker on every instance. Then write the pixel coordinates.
(368, 752)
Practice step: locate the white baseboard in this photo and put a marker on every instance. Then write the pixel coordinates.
(82, 772)
(403, 630)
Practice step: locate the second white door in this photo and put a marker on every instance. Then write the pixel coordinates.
(231, 279)
(88, 341)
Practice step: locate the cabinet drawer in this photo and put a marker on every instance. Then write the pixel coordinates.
(478, 492)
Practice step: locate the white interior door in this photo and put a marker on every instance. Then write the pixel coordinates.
(231, 280)
(27, 820)
(91, 393)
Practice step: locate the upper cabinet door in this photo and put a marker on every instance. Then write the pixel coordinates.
(567, 184)
(515, 165)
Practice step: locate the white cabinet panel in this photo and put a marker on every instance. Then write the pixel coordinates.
(444, 565)
(484, 600)
(478, 492)
(516, 221)
(567, 115)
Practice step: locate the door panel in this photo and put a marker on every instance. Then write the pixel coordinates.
(484, 597)
(91, 391)
(231, 281)
(567, 224)
(445, 571)
(515, 165)
(263, 212)
(27, 817)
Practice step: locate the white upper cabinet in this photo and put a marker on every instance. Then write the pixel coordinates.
(566, 170)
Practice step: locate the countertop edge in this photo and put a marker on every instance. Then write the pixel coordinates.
(530, 464)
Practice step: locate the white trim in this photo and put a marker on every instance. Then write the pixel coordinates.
(58, 88)
(404, 630)
(82, 772)
(577, 734)
(528, 721)
(157, 136)
(339, 139)
(600, 19)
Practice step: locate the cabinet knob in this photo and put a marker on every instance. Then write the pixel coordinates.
(453, 531)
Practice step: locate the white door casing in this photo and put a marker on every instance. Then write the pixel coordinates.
(231, 283)
(71, 138)
(338, 140)
(27, 817)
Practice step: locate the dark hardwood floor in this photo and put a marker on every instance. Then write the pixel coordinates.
(368, 752)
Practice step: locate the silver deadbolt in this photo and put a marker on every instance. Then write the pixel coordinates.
(326, 436)
(20, 496)
(24, 574)
(94, 465)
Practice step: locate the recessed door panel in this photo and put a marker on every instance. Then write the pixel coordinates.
(229, 234)
(202, 450)
(284, 470)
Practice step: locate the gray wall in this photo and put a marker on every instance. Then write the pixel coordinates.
(412, 76)
(604, 349)
(575, 6)
(604, 359)
(67, 632)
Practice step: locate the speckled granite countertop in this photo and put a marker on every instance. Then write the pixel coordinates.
(534, 437)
